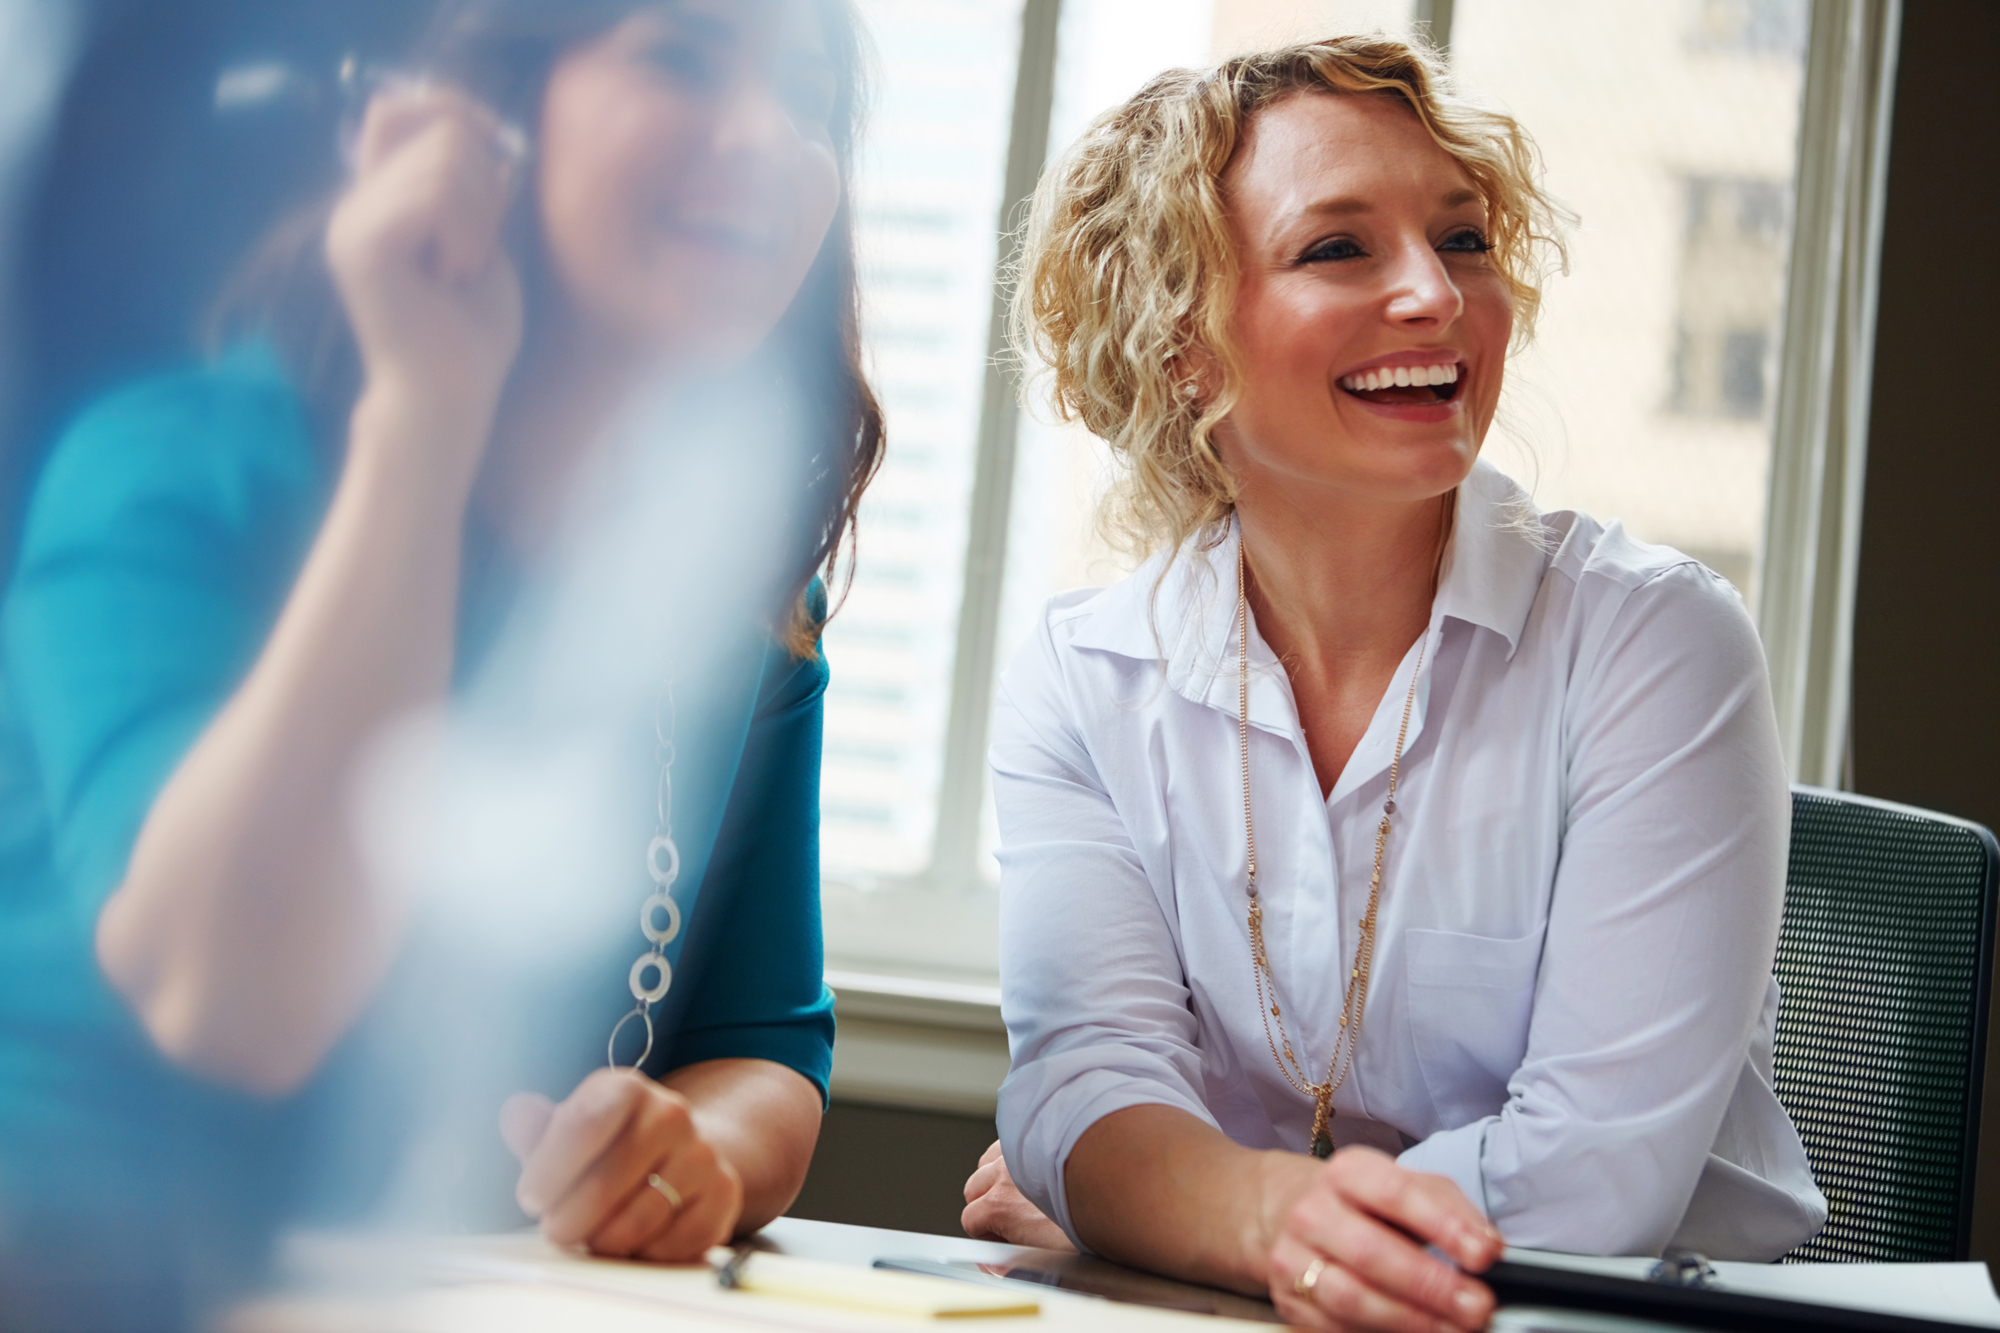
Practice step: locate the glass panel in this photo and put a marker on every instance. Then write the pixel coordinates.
(1671, 129)
(927, 199)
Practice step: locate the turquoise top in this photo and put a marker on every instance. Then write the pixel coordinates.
(161, 542)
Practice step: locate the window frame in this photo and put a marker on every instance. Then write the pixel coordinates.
(1819, 443)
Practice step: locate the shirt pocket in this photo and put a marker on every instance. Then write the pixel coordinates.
(1470, 998)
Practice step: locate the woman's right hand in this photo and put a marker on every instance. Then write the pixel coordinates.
(1350, 1251)
(621, 1167)
(415, 249)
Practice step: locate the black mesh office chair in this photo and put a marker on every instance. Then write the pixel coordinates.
(1886, 964)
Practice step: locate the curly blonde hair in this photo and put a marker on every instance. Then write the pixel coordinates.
(1128, 264)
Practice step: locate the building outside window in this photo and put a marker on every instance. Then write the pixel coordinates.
(1732, 293)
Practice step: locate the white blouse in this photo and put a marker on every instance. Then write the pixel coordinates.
(1572, 1005)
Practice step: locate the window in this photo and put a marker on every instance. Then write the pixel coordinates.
(1649, 395)
(927, 198)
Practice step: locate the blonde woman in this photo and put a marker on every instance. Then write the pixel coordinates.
(1379, 817)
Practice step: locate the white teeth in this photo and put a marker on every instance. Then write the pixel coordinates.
(1401, 377)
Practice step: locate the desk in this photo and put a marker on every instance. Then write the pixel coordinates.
(517, 1283)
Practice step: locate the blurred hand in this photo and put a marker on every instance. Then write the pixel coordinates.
(1364, 1221)
(415, 249)
(995, 1209)
(586, 1166)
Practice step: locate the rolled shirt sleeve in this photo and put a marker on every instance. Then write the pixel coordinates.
(1663, 921)
(1096, 1006)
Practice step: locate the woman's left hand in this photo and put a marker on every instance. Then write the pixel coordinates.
(588, 1168)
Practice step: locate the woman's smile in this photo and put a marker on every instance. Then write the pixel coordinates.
(1421, 385)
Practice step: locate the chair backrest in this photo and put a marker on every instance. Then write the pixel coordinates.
(1886, 965)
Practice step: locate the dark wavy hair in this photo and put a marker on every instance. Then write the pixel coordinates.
(503, 52)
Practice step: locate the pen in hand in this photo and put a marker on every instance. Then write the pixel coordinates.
(728, 1274)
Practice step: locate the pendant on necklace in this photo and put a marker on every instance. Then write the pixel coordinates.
(1322, 1145)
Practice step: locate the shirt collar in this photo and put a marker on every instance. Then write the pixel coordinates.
(1494, 566)
(1186, 617)
(1178, 609)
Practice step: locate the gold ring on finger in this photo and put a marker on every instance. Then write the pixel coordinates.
(667, 1192)
(1309, 1279)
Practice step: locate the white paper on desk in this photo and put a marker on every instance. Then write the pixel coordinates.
(1962, 1293)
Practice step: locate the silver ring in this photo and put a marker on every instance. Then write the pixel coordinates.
(1309, 1279)
(667, 1192)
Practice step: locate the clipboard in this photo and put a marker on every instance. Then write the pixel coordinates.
(1516, 1283)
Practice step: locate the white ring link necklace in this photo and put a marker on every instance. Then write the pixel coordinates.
(663, 865)
(1356, 1001)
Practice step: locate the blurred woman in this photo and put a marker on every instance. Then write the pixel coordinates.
(1385, 864)
(232, 579)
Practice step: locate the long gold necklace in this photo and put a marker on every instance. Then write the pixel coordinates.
(1356, 1002)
